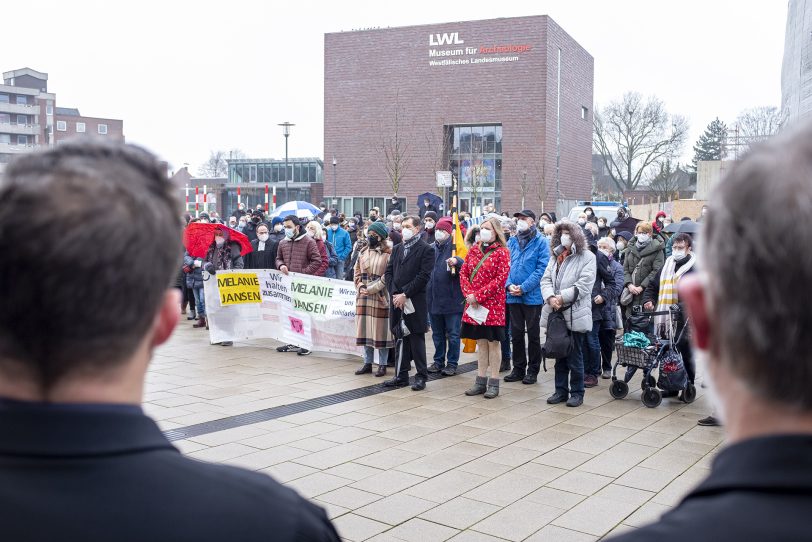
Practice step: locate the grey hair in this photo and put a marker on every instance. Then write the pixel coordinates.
(746, 254)
(607, 241)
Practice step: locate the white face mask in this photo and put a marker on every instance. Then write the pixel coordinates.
(263, 237)
(566, 240)
(522, 225)
(429, 225)
(621, 245)
(476, 238)
(278, 227)
(232, 224)
(679, 254)
(582, 221)
(606, 252)
(396, 226)
(389, 243)
(289, 233)
(334, 227)
(588, 213)
(441, 236)
(311, 233)
(219, 241)
(242, 223)
(408, 234)
(486, 236)
(643, 237)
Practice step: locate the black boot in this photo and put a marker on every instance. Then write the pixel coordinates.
(396, 382)
(366, 368)
(515, 375)
(505, 366)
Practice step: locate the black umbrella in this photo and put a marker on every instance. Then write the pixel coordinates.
(686, 226)
(434, 199)
(627, 224)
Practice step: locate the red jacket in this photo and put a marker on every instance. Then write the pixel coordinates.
(488, 285)
(325, 259)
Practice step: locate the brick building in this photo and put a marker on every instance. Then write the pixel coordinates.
(505, 104)
(30, 119)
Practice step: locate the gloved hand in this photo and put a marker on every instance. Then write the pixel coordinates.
(187, 269)
(209, 268)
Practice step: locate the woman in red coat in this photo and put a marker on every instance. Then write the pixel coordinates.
(482, 278)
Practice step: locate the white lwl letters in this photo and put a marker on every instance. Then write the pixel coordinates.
(451, 38)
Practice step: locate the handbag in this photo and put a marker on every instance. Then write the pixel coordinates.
(560, 342)
(626, 296)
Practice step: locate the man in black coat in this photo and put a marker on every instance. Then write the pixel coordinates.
(79, 459)
(427, 207)
(751, 323)
(263, 254)
(407, 276)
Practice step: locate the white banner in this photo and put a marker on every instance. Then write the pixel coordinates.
(312, 312)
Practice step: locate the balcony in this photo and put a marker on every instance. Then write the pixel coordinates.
(13, 148)
(25, 129)
(19, 108)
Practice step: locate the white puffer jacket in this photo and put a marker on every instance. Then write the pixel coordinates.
(573, 280)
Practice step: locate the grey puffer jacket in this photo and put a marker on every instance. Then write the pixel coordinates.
(573, 280)
(650, 261)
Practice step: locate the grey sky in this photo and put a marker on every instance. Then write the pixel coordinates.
(191, 76)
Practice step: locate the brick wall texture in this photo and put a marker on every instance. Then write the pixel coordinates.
(369, 74)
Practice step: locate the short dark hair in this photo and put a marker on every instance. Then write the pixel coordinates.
(682, 238)
(292, 218)
(86, 300)
(413, 219)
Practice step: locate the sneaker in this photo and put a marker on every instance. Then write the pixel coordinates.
(451, 370)
(710, 421)
(303, 352)
(287, 348)
(434, 368)
(607, 374)
(515, 376)
(556, 398)
(529, 379)
(590, 381)
(575, 401)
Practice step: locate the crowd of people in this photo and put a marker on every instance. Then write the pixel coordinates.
(592, 277)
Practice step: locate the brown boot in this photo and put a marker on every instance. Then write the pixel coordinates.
(201, 322)
(381, 370)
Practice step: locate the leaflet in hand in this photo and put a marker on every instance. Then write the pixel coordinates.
(478, 314)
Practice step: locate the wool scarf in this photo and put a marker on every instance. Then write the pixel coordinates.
(669, 278)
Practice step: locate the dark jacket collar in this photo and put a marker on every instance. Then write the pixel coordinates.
(71, 431)
(776, 463)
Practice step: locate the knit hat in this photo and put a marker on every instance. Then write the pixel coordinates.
(276, 220)
(430, 214)
(445, 224)
(380, 229)
(624, 234)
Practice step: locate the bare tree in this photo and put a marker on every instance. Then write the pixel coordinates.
(396, 151)
(541, 184)
(216, 165)
(437, 147)
(666, 183)
(479, 175)
(524, 187)
(756, 124)
(633, 136)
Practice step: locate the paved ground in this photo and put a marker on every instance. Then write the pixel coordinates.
(435, 465)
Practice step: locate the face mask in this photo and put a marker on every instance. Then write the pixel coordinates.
(486, 236)
(232, 224)
(426, 203)
(289, 233)
(679, 255)
(263, 237)
(589, 213)
(255, 220)
(606, 252)
(219, 241)
(310, 233)
(476, 238)
(242, 223)
(544, 221)
(278, 227)
(408, 234)
(389, 243)
(373, 241)
(601, 224)
(396, 226)
(581, 221)
(429, 225)
(522, 225)
(621, 245)
(441, 236)
(334, 227)
(566, 240)
(642, 237)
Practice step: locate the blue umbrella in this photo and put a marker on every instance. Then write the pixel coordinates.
(302, 209)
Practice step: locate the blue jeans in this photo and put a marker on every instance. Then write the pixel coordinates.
(572, 367)
(445, 332)
(592, 353)
(200, 301)
(369, 355)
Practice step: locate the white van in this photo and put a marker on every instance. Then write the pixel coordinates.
(602, 209)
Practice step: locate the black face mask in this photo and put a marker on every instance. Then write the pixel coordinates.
(255, 220)
(373, 241)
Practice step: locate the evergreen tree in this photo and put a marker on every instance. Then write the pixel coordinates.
(711, 144)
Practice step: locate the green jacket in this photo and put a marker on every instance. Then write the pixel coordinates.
(650, 261)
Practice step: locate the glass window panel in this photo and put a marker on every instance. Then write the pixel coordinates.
(22, 100)
(5, 118)
(4, 98)
(465, 140)
(498, 133)
(455, 144)
(476, 139)
(5, 138)
(489, 144)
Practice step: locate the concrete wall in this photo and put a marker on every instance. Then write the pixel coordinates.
(675, 209)
(708, 174)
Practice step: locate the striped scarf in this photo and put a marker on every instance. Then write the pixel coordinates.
(409, 244)
(669, 279)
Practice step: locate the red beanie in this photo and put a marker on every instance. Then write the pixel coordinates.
(445, 225)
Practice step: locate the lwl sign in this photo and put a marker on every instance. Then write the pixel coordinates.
(450, 38)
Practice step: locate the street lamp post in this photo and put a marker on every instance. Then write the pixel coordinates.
(335, 183)
(286, 132)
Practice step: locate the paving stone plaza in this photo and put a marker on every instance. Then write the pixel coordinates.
(432, 465)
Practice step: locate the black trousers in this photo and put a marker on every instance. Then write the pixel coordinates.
(526, 360)
(606, 338)
(188, 298)
(413, 348)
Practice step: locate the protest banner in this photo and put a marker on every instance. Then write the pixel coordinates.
(316, 313)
